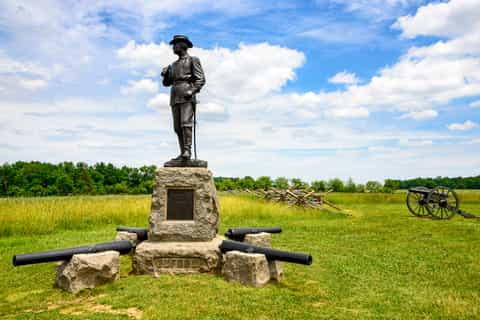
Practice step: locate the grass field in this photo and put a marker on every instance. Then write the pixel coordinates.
(375, 261)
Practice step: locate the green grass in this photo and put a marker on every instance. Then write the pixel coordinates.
(379, 261)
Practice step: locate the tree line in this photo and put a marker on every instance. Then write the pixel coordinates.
(67, 178)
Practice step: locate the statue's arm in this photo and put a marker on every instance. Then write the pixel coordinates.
(167, 76)
(198, 75)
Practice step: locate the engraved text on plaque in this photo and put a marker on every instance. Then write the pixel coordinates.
(179, 204)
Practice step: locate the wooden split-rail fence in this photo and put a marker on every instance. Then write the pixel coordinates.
(296, 197)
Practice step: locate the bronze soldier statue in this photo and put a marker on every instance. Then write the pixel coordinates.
(187, 79)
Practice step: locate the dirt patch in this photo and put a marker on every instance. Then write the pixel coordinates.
(21, 295)
(88, 305)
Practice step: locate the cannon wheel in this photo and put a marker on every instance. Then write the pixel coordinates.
(416, 203)
(442, 203)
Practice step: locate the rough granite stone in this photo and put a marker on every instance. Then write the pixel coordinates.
(264, 239)
(124, 235)
(247, 268)
(88, 271)
(205, 221)
(153, 257)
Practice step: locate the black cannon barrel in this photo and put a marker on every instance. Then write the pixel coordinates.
(239, 234)
(122, 246)
(271, 254)
(142, 233)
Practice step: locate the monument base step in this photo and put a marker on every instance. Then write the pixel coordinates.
(155, 257)
(186, 163)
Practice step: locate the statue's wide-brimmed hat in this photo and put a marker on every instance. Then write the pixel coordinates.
(181, 38)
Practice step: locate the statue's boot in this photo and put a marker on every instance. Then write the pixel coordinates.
(181, 145)
(187, 143)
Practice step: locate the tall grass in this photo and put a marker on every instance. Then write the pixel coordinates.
(45, 215)
(49, 214)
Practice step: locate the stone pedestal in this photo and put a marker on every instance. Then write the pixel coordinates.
(88, 271)
(183, 225)
(184, 205)
(249, 269)
(155, 257)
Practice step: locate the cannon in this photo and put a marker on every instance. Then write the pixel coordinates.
(142, 233)
(238, 234)
(122, 246)
(270, 254)
(437, 203)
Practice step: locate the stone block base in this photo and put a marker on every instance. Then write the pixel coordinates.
(130, 236)
(249, 269)
(154, 257)
(264, 239)
(88, 271)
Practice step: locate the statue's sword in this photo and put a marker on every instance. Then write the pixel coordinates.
(195, 130)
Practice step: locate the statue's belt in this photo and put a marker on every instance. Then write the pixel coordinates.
(181, 81)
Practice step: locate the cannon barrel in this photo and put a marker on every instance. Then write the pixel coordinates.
(122, 246)
(271, 254)
(239, 234)
(142, 233)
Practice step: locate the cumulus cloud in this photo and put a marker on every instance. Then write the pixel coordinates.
(140, 86)
(247, 73)
(348, 113)
(420, 115)
(467, 125)
(344, 77)
(161, 101)
(447, 19)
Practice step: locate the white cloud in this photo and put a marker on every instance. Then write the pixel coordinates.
(420, 115)
(344, 77)
(140, 86)
(348, 113)
(212, 108)
(446, 19)
(467, 125)
(161, 101)
(475, 104)
(249, 72)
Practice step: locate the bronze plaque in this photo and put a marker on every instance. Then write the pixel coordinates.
(179, 204)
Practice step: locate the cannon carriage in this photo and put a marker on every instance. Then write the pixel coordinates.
(437, 203)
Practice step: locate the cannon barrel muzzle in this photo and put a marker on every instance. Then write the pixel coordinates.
(142, 233)
(122, 246)
(239, 234)
(271, 254)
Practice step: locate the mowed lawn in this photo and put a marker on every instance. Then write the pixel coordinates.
(375, 260)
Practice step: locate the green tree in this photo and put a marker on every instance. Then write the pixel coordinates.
(281, 183)
(263, 182)
(373, 186)
(64, 185)
(350, 186)
(297, 183)
(318, 185)
(335, 184)
(247, 183)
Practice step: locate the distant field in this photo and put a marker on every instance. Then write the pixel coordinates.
(374, 260)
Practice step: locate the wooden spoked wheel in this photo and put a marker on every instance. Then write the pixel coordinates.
(416, 203)
(442, 203)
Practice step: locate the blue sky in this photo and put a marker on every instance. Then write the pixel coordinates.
(312, 89)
